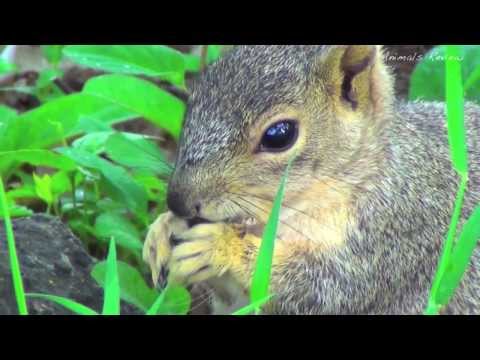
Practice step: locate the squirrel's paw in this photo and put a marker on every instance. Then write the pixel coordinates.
(157, 247)
(201, 253)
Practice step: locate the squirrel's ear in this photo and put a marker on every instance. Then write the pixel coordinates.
(356, 77)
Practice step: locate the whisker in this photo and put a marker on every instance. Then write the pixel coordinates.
(270, 200)
(267, 212)
(301, 212)
(203, 298)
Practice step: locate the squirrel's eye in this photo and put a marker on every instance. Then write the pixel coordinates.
(280, 136)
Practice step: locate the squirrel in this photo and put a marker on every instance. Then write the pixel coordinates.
(368, 199)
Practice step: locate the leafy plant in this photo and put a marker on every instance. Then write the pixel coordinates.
(105, 183)
(428, 80)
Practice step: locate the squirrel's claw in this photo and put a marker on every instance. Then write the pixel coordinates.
(187, 256)
(191, 255)
(199, 254)
(157, 247)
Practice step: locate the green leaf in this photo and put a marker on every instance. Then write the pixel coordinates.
(17, 211)
(46, 77)
(45, 89)
(192, 63)
(6, 67)
(428, 79)
(214, 53)
(455, 115)
(94, 125)
(108, 205)
(75, 307)
(460, 258)
(93, 142)
(52, 122)
(53, 53)
(472, 80)
(45, 158)
(141, 97)
(174, 300)
(156, 188)
(111, 301)
(132, 285)
(122, 185)
(137, 153)
(6, 114)
(62, 183)
(151, 60)
(261, 276)
(26, 191)
(81, 228)
(112, 225)
(43, 188)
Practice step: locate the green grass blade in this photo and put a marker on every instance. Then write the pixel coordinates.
(253, 307)
(111, 302)
(133, 288)
(455, 111)
(459, 261)
(71, 305)
(458, 150)
(174, 300)
(12, 253)
(433, 306)
(157, 304)
(263, 269)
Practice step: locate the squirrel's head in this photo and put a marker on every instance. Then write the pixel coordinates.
(256, 107)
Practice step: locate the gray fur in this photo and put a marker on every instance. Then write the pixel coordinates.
(392, 253)
(235, 91)
(404, 206)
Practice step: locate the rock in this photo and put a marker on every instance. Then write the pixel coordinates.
(53, 261)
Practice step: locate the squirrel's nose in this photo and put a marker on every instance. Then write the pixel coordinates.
(179, 206)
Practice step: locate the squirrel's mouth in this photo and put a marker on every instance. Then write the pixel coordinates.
(197, 221)
(239, 220)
